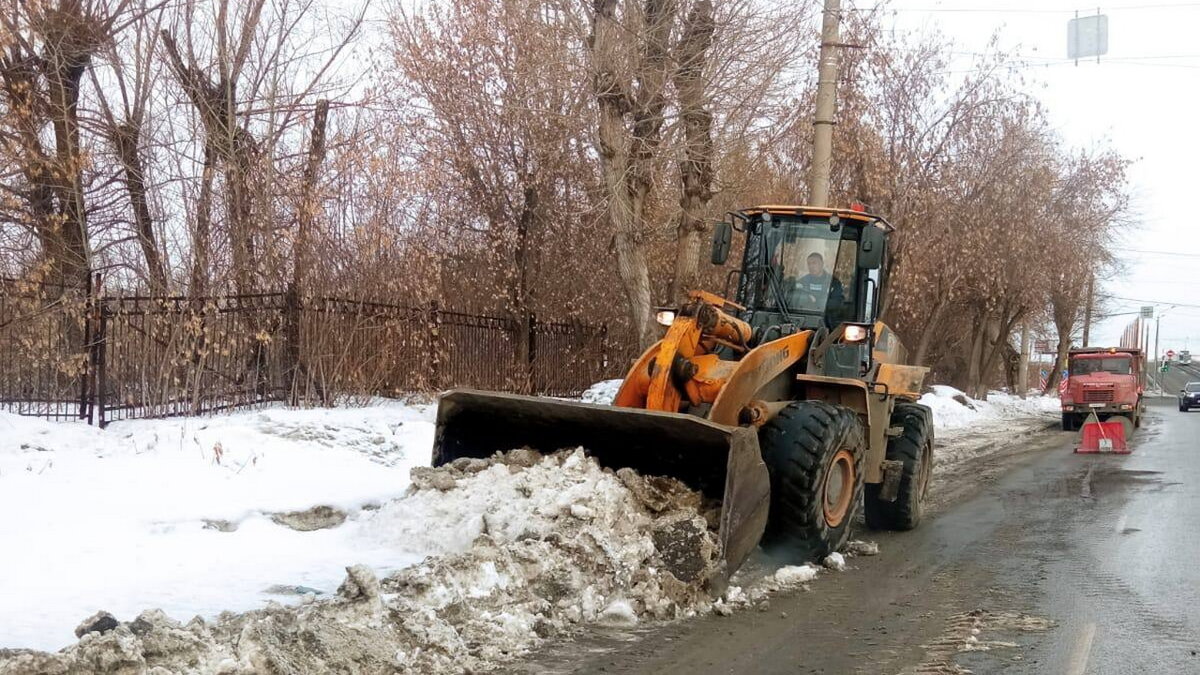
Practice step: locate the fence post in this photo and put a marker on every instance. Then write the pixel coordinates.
(435, 346)
(101, 340)
(294, 369)
(89, 368)
(531, 357)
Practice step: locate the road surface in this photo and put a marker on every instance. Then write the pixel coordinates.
(1062, 563)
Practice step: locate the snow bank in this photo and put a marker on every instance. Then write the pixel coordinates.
(177, 513)
(550, 543)
(602, 393)
(952, 409)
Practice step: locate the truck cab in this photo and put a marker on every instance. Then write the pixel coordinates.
(1109, 382)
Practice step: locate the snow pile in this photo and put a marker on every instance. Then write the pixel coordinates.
(183, 513)
(602, 393)
(531, 547)
(794, 575)
(835, 561)
(952, 409)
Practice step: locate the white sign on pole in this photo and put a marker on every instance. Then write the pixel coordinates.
(1087, 36)
(1148, 311)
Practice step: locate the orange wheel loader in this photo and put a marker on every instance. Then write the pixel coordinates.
(790, 403)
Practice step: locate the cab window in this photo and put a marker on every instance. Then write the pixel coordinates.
(1114, 365)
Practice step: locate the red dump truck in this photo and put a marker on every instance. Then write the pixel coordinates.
(1108, 381)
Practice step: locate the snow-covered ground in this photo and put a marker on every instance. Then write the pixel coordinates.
(131, 517)
(183, 515)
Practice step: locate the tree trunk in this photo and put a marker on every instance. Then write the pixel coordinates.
(695, 170)
(234, 148)
(1003, 327)
(63, 77)
(128, 140)
(974, 360)
(1023, 361)
(240, 214)
(309, 202)
(521, 291)
(201, 237)
(933, 326)
(305, 217)
(1060, 359)
(625, 155)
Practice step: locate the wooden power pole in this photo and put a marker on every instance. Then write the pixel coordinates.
(1087, 310)
(823, 121)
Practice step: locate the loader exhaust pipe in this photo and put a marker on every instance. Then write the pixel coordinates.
(722, 462)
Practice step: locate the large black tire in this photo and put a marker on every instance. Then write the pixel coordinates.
(814, 454)
(1070, 422)
(914, 449)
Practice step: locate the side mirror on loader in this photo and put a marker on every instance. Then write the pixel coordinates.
(721, 241)
(870, 248)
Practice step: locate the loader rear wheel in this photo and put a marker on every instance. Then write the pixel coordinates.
(913, 448)
(814, 453)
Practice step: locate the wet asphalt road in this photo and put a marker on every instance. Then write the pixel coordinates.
(1059, 563)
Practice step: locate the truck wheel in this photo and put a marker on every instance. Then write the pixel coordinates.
(814, 453)
(1069, 423)
(914, 449)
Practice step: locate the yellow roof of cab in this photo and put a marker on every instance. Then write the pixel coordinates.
(817, 211)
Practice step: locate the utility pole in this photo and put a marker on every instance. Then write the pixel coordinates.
(1146, 346)
(827, 72)
(1157, 365)
(1087, 310)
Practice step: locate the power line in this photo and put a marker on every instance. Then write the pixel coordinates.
(1148, 302)
(1171, 253)
(1032, 10)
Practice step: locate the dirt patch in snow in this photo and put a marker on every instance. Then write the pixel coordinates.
(315, 518)
(524, 547)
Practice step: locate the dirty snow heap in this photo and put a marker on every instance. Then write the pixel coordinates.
(525, 547)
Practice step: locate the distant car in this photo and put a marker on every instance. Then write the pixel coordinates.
(1189, 396)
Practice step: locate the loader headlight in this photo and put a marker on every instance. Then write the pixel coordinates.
(665, 317)
(855, 333)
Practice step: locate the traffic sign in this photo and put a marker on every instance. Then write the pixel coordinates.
(1087, 36)
(1170, 353)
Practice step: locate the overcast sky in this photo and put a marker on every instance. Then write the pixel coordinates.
(1142, 97)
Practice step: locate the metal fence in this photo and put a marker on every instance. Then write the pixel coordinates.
(67, 355)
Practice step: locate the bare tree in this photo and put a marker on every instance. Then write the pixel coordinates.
(630, 60)
(123, 125)
(46, 56)
(696, 167)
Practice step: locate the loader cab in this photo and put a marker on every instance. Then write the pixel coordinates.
(806, 268)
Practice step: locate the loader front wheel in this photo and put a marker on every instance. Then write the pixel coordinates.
(814, 453)
(913, 448)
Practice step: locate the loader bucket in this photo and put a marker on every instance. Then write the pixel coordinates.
(721, 462)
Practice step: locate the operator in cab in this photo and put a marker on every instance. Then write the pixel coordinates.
(817, 289)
